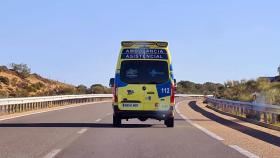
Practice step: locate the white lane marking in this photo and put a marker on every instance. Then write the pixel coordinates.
(47, 110)
(243, 151)
(82, 131)
(98, 120)
(211, 134)
(52, 154)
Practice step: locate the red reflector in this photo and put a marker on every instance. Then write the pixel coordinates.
(115, 95)
(172, 97)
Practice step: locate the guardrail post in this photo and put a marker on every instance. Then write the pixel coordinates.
(274, 118)
(18, 108)
(6, 108)
(265, 117)
(9, 107)
(13, 108)
(258, 115)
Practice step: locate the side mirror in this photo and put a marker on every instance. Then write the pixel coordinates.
(112, 82)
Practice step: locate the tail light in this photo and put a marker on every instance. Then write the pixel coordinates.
(115, 94)
(172, 97)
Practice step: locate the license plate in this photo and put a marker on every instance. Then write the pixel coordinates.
(130, 105)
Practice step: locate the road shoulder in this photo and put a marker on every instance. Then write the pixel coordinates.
(255, 139)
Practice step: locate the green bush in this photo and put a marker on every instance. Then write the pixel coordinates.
(65, 90)
(4, 80)
(81, 89)
(37, 85)
(4, 94)
(244, 90)
(187, 87)
(22, 69)
(3, 68)
(99, 89)
(20, 93)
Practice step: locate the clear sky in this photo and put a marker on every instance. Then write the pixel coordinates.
(78, 41)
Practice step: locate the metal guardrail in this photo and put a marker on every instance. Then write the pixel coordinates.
(10, 101)
(193, 95)
(269, 114)
(14, 105)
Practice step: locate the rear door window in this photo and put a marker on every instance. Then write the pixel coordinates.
(144, 72)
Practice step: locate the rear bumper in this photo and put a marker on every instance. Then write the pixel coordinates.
(128, 114)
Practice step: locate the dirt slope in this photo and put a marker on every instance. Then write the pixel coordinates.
(12, 84)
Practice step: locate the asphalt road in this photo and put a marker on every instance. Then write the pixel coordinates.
(86, 131)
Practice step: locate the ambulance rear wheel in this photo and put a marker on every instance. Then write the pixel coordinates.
(117, 121)
(169, 122)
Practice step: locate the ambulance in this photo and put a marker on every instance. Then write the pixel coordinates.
(144, 84)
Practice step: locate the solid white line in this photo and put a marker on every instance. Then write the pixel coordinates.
(52, 154)
(211, 134)
(46, 110)
(82, 131)
(98, 120)
(243, 151)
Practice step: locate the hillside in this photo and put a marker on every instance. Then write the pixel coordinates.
(21, 83)
(208, 88)
(261, 90)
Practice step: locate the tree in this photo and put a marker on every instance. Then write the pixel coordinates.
(97, 89)
(187, 87)
(3, 68)
(22, 69)
(81, 89)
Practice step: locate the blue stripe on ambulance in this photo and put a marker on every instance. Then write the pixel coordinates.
(118, 81)
(164, 89)
(171, 69)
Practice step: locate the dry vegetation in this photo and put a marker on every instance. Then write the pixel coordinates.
(17, 81)
(246, 90)
(264, 90)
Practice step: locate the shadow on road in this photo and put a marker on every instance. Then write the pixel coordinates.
(179, 119)
(71, 125)
(244, 129)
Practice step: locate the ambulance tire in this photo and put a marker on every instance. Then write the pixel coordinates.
(117, 121)
(169, 122)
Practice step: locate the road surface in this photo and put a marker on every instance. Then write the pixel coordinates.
(86, 131)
